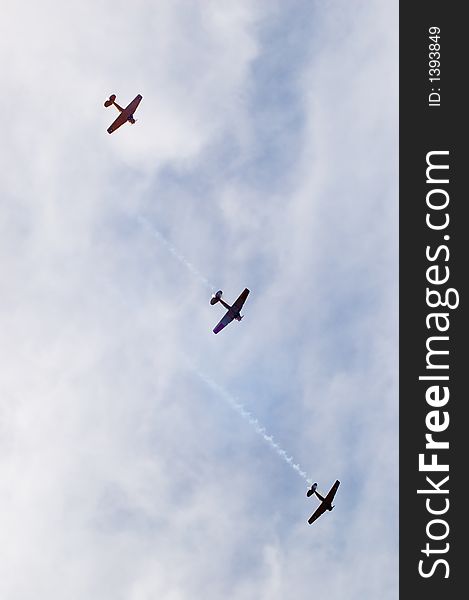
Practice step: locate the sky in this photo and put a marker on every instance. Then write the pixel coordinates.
(142, 456)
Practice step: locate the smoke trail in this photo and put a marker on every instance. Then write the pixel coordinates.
(181, 258)
(254, 422)
(239, 408)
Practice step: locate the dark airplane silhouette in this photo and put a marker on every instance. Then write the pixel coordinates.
(326, 503)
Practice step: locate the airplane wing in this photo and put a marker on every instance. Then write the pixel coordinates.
(238, 305)
(318, 512)
(121, 119)
(125, 114)
(332, 491)
(224, 322)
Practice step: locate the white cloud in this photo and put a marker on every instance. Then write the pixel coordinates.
(265, 152)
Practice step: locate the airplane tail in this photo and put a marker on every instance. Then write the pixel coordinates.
(216, 297)
(110, 102)
(319, 496)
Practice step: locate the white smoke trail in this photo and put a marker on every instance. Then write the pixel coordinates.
(239, 408)
(150, 227)
(254, 422)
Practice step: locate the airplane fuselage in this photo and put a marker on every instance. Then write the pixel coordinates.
(236, 315)
(130, 118)
(119, 108)
(225, 304)
(328, 505)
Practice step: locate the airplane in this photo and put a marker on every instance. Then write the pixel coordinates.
(326, 503)
(126, 114)
(234, 311)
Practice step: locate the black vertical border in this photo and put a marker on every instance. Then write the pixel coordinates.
(424, 128)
